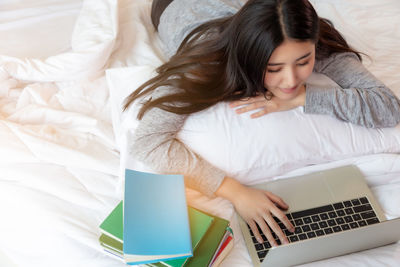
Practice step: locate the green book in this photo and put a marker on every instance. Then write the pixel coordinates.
(111, 244)
(209, 244)
(112, 228)
(199, 224)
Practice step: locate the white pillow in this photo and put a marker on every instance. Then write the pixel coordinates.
(252, 150)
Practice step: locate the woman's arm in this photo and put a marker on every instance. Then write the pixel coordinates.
(155, 143)
(361, 98)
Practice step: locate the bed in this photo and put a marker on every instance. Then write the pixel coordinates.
(65, 68)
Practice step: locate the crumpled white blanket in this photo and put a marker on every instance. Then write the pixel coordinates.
(59, 139)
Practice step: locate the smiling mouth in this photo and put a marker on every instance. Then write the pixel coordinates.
(289, 90)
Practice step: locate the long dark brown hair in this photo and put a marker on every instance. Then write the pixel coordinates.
(225, 59)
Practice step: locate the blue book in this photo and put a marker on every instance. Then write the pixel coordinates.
(156, 222)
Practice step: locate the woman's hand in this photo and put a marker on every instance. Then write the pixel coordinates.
(265, 106)
(257, 206)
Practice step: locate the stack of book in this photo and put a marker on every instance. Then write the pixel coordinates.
(154, 226)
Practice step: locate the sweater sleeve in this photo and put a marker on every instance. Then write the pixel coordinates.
(182, 16)
(361, 98)
(155, 143)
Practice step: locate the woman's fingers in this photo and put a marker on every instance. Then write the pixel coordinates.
(266, 230)
(246, 101)
(250, 107)
(276, 229)
(259, 114)
(278, 213)
(282, 217)
(255, 231)
(267, 224)
(277, 200)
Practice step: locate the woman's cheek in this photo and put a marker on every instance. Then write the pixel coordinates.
(270, 81)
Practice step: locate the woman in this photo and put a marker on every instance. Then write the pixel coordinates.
(259, 53)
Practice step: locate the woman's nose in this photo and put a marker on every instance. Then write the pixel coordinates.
(290, 79)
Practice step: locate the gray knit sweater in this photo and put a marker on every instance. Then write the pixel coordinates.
(360, 99)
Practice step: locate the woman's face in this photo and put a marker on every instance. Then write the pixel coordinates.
(288, 68)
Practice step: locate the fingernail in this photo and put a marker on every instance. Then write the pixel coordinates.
(259, 240)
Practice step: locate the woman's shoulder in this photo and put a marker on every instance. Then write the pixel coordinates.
(343, 59)
(182, 16)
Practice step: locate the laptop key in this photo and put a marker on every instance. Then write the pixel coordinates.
(287, 232)
(274, 236)
(267, 245)
(315, 218)
(259, 247)
(339, 221)
(312, 211)
(306, 228)
(324, 216)
(368, 214)
(364, 200)
(372, 221)
(332, 214)
(362, 208)
(320, 232)
(302, 236)
(264, 237)
(345, 227)
(314, 226)
(331, 222)
(336, 229)
(298, 222)
(349, 211)
(357, 217)
(347, 203)
(297, 230)
(307, 220)
(338, 205)
(262, 254)
(353, 225)
(340, 213)
(328, 231)
(355, 202)
(362, 223)
(293, 238)
(311, 234)
(348, 219)
(323, 224)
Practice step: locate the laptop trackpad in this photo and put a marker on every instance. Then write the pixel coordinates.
(301, 193)
(319, 188)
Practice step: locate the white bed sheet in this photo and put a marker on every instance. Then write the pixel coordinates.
(59, 145)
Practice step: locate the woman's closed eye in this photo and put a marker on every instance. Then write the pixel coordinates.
(303, 63)
(274, 70)
(279, 69)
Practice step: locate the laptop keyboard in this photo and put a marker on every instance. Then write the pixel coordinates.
(320, 221)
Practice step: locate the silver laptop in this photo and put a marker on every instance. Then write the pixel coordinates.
(334, 213)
